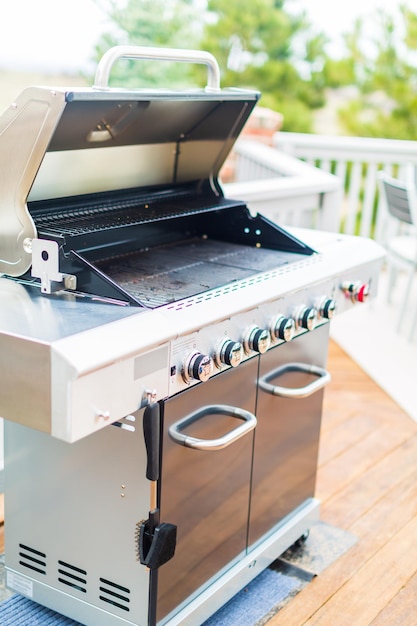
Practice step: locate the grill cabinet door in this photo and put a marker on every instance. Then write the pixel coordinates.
(287, 434)
(205, 493)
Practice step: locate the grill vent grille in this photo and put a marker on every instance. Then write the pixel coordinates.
(114, 594)
(72, 576)
(32, 559)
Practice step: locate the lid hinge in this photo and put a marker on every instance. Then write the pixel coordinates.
(45, 266)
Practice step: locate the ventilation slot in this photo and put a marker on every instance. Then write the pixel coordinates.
(72, 576)
(126, 423)
(238, 285)
(32, 559)
(115, 594)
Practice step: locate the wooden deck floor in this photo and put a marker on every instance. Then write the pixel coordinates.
(367, 483)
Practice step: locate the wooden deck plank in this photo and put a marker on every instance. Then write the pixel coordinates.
(348, 505)
(402, 609)
(373, 494)
(347, 467)
(375, 584)
(373, 530)
(345, 434)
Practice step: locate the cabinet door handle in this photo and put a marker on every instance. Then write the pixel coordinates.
(323, 377)
(249, 423)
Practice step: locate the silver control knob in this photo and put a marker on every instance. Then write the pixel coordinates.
(283, 328)
(197, 366)
(357, 292)
(327, 308)
(306, 318)
(257, 339)
(229, 352)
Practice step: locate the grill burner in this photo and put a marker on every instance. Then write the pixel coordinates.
(178, 271)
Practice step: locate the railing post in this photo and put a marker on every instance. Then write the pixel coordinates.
(285, 189)
(355, 160)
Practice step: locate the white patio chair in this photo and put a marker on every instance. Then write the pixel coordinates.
(400, 200)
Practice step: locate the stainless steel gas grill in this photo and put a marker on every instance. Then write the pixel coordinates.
(162, 353)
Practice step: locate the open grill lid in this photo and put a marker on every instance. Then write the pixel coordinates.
(63, 143)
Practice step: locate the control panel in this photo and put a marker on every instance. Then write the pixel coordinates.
(225, 344)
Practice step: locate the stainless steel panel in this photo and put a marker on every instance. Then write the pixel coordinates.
(25, 312)
(287, 435)
(234, 578)
(25, 130)
(72, 511)
(25, 382)
(206, 494)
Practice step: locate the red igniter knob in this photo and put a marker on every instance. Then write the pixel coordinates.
(363, 293)
(357, 292)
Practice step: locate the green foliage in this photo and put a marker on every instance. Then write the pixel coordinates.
(252, 40)
(338, 72)
(155, 23)
(387, 80)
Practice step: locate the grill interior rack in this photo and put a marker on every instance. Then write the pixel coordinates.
(149, 252)
(120, 192)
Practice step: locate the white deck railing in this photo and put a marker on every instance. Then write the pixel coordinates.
(283, 188)
(355, 161)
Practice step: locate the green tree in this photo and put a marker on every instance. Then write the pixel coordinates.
(155, 23)
(254, 42)
(386, 78)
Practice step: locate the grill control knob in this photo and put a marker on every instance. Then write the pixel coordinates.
(283, 328)
(229, 352)
(306, 318)
(257, 339)
(197, 366)
(357, 292)
(327, 308)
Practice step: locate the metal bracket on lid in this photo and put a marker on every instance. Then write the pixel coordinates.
(45, 266)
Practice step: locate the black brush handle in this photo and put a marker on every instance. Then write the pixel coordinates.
(151, 430)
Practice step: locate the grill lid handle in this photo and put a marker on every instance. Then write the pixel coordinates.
(165, 54)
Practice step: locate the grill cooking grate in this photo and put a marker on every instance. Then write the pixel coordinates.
(170, 273)
(99, 216)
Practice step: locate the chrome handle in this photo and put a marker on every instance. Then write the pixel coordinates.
(298, 392)
(249, 423)
(161, 54)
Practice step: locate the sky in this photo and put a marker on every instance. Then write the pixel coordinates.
(49, 34)
(59, 34)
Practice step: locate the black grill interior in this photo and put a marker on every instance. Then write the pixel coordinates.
(173, 272)
(157, 247)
